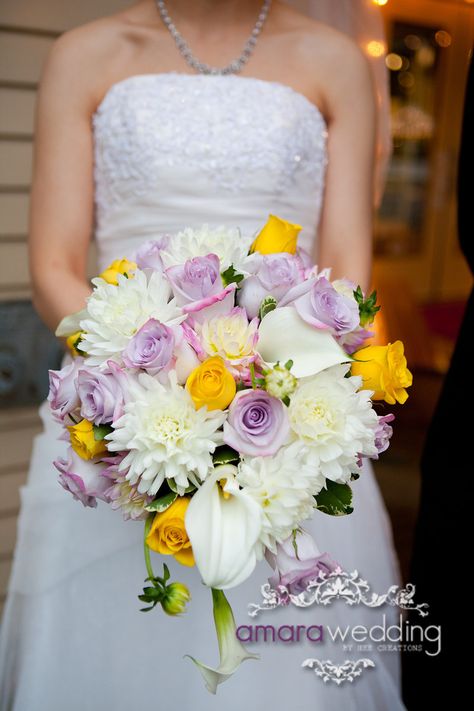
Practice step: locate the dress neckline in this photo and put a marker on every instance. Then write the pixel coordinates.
(219, 77)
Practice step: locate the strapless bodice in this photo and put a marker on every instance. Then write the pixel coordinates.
(175, 150)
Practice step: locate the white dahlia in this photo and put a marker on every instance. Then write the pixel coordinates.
(283, 486)
(335, 421)
(115, 312)
(227, 243)
(165, 436)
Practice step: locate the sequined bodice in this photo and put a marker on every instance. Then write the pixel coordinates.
(175, 150)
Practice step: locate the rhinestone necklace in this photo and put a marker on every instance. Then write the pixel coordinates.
(233, 67)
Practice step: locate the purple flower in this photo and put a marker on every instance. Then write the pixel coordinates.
(383, 433)
(151, 348)
(257, 423)
(324, 307)
(352, 341)
(294, 569)
(197, 285)
(101, 393)
(195, 279)
(123, 495)
(62, 396)
(148, 256)
(270, 275)
(83, 478)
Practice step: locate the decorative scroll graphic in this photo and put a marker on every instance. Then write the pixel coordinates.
(338, 585)
(338, 673)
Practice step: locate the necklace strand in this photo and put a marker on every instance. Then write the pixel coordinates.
(236, 65)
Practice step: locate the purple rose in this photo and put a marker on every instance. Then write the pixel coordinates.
(151, 348)
(83, 478)
(257, 423)
(101, 393)
(63, 398)
(324, 307)
(148, 256)
(270, 275)
(296, 568)
(352, 341)
(383, 433)
(197, 285)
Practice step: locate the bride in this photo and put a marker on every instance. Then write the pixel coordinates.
(134, 139)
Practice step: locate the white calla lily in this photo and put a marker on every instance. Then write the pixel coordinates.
(223, 525)
(231, 652)
(70, 324)
(284, 336)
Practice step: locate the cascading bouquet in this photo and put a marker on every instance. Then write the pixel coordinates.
(220, 391)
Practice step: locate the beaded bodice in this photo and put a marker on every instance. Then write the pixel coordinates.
(175, 150)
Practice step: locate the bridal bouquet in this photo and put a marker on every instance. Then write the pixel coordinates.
(220, 392)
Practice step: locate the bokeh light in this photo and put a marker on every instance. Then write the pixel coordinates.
(394, 62)
(443, 38)
(376, 48)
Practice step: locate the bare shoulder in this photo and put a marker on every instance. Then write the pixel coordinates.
(335, 59)
(86, 58)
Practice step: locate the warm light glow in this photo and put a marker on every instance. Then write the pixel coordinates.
(376, 48)
(443, 38)
(413, 42)
(384, 2)
(394, 62)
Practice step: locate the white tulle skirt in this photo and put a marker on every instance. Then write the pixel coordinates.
(73, 637)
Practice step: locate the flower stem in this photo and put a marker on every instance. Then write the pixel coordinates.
(146, 550)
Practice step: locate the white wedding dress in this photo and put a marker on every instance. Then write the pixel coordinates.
(175, 150)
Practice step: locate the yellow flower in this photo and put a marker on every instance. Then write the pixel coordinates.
(384, 370)
(277, 236)
(211, 384)
(119, 266)
(83, 441)
(168, 534)
(73, 341)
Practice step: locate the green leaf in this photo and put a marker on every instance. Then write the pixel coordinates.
(162, 503)
(231, 276)
(335, 499)
(368, 308)
(225, 455)
(101, 431)
(174, 488)
(268, 304)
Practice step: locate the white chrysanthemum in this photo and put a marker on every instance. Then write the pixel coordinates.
(335, 421)
(226, 242)
(283, 486)
(116, 312)
(165, 435)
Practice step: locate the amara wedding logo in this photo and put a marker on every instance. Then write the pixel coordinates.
(353, 590)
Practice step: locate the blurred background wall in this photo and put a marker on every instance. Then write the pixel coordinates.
(419, 271)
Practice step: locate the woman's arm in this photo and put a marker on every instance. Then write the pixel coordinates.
(345, 235)
(61, 210)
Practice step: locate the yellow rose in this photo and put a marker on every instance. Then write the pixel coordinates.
(168, 534)
(277, 236)
(119, 266)
(83, 441)
(73, 341)
(211, 384)
(384, 370)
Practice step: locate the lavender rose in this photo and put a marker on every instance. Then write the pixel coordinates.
(323, 306)
(270, 275)
(101, 393)
(257, 423)
(197, 285)
(151, 348)
(62, 396)
(383, 433)
(83, 478)
(295, 568)
(148, 256)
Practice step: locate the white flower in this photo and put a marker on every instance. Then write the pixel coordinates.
(284, 487)
(279, 382)
(335, 421)
(227, 243)
(223, 525)
(116, 312)
(165, 435)
(230, 336)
